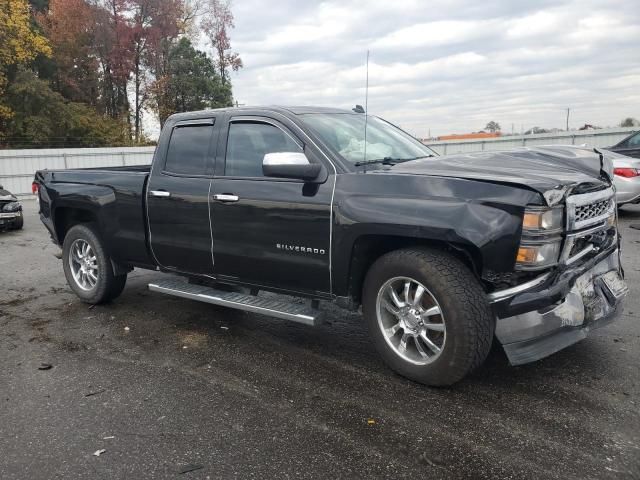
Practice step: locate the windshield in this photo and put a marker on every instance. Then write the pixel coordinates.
(344, 132)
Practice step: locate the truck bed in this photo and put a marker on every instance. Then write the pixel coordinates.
(112, 197)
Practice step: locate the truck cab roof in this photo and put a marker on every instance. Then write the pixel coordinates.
(295, 110)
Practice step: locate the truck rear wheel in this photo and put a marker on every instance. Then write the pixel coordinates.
(88, 267)
(427, 315)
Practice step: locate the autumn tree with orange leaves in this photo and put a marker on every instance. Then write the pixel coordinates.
(87, 72)
(69, 27)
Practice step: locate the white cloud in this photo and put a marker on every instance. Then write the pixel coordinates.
(539, 23)
(434, 34)
(447, 66)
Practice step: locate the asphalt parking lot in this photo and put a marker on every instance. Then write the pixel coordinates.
(165, 385)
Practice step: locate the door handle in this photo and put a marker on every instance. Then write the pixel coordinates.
(159, 193)
(225, 197)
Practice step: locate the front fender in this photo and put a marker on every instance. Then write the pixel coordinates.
(484, 219)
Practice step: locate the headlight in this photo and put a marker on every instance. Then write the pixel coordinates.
(541, 241)
(12, 207)
(543, 220)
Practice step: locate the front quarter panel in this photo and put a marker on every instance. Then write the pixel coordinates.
(483, 218)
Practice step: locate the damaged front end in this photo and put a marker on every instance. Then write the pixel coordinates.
(583, 291)
(10, 211)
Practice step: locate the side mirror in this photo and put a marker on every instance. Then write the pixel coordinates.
(290, 165)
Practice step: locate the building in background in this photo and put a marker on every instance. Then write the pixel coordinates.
(470, 136)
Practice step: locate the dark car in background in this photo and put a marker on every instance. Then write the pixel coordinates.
(10, 211)
(630, 146)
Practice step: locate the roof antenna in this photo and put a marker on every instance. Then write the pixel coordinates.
(366, 113)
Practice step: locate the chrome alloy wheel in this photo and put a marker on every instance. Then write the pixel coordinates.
(83, 264)
(411, 320)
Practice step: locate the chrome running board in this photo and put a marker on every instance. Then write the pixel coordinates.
(278, 308)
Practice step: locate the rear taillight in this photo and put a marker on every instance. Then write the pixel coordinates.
(626, 172)
(34, 188)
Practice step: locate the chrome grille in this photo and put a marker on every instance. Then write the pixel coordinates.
(587, 227)
(589, 209)
(592, 210)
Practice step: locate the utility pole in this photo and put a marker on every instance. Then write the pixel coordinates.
(568, 110)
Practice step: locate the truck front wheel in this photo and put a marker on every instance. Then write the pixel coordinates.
(88, 267)
(427, 315)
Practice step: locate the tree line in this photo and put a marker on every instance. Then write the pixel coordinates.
(85, 72)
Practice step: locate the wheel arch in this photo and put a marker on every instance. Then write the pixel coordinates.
(76, 203)
(368, 248)
(67, 217)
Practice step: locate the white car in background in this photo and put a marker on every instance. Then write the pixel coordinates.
(626, 172)
(626, 177)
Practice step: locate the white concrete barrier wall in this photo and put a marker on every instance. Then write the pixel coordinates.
(17, 167)
(605, 137)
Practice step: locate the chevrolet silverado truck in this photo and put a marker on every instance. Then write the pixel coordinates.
(272, 210)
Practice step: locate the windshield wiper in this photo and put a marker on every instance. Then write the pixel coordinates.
(388, 160)
(383, 161)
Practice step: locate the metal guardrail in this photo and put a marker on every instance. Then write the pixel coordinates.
(17, 167)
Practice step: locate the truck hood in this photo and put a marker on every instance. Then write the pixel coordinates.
(543, 169)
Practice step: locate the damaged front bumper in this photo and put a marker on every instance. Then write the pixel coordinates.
(551, 313)
(7, 220)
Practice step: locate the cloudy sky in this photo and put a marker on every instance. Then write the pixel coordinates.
(445, 66)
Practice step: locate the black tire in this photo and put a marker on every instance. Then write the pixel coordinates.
(19, 222)
(108, 286)
(467, 315)
(117, 287)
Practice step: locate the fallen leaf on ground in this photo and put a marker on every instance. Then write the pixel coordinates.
(189, 468)
(97, 392)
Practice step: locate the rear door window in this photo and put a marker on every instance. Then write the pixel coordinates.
(189, 149)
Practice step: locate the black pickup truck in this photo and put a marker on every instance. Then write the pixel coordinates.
(249, 207)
